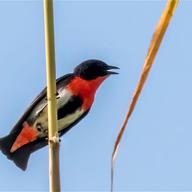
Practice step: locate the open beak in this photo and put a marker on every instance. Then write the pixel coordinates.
(111, 72)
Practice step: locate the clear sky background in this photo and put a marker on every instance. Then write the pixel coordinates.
(155, 153)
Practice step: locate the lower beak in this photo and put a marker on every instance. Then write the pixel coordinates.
(112, 72)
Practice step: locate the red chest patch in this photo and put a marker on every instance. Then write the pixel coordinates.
(86, 89)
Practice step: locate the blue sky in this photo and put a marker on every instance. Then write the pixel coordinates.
(155, 153)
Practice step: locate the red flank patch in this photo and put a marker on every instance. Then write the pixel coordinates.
(27, 135)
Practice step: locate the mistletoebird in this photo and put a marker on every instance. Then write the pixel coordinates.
(75, 96)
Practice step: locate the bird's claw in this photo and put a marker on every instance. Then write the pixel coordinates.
(57, 95)
(55, 139)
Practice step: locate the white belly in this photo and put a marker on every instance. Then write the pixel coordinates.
(69, 119)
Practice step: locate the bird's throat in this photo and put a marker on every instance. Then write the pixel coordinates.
(86, 89)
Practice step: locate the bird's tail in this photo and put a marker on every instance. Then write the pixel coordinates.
(20, 157)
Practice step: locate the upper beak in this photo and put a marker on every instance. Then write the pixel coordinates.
(112, 72)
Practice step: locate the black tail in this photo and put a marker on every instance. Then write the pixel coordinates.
(19, 157)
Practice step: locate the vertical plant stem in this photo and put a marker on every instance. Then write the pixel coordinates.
(152, 51)
(54, 176)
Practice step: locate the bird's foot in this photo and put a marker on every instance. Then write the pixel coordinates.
(55, 139)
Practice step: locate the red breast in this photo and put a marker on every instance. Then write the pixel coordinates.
(86, 89)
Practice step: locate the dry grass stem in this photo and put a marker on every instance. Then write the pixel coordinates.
(152, 51)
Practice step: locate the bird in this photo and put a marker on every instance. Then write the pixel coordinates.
(75, 93)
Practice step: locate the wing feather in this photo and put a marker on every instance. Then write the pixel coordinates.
(62, 81)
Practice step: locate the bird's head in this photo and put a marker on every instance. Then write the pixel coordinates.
(93, 69)
(88, 76)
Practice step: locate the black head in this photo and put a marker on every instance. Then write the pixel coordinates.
(91, 69)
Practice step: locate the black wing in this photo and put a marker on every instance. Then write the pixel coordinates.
(62, 81)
